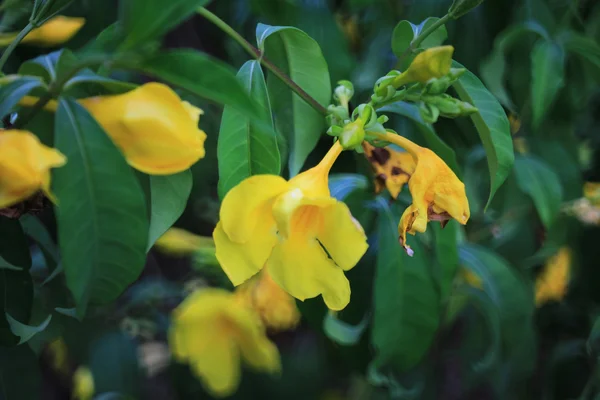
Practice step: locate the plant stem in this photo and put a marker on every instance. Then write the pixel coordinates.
(423, 35)
(258, 55)
(28, 28)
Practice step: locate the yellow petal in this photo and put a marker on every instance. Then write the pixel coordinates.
(240, 261)
(342, 236)
(218, 365)
(552, 283)
(301, 267)
(83, 384)
(432, 63)
(391, 167)
(55, 31)
(152, 126)
(244, 206)
(25, 165)
(295, 212)
(181, 242)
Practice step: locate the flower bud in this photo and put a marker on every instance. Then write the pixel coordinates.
(434, 62)
(383, 86)
(335, 130)
(352, 135)
(449, 106)
(344, 92)
(429, 112)
(461, 7)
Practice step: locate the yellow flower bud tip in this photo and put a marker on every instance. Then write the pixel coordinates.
(303, 237)
(213, 332)
(55, 31)
(25, 165)
(438, 194)
(83, 384)
(431, 63)
(552, 282)
(156, 131)
(178, 241)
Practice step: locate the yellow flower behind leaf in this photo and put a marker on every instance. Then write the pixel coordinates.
(25, 165)
(552, 282)
(212, 331)
(55, 31)
(178, 241)
(275, 306)
(156, 131)
(83, 384)
(591, 191)
(431, 63)
(306, 238)
(437, 193)
(392, 168)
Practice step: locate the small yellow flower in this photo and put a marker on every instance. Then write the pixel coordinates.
(432, 63)
(83, 384)
(591, 191)
(181, 242)
(437, 193)
(275, 306)
(55, 31)
(211, 330)
(392, 168)
(471, 278)
(25, 165)
(552, 282)
(59, 353)
(156, 131)
(306, 238)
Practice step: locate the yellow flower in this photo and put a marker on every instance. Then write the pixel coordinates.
(25, 166)
(437, 193)
(83, 384)
(471, 278)
(552, 282)
(276, 307)
(59, 353)
(431, 63)
(591, 191)
(156, 131)
(306, 238)
(392, 168)
(211, 331)
(181, 242)
(55, 31)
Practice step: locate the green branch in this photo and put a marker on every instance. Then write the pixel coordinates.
(257, 54)
(13, 45)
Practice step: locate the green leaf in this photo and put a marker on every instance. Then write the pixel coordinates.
(299, 56)
(43, 66)
(493, 68)
(405, 32)
(101, 216)
(585, 47)
(446, 252)
(11, 94)
(26, 332)
(342, 332)
(547, 77)
(168, 197)
(16, 286)
(245, 149)
(542, 184)
(34, 228)
(147, 20)
(202, 75)
(492, 126)
(342, 185)
(407, 311)
(509, 293)
(433, 141)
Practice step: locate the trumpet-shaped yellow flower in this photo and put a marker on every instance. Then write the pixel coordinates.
(432, 63)
(181, 242)
(306, 238)
(437, 193)
(392, 168)
(552, 283)
(276, 307)
(156, 131)
(211, 330)
(55, 31)
(25, 165)
(83, 384)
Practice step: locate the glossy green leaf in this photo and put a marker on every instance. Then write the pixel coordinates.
(492, 126)
(583, 46)
(406, 301)
(12, 93)
(342, 185)
(245, 149)
(406, 31)
(101, 216)
(299, 56)
(446, 252)
(43, 66)
(547, 77)
(24, 331)
(542, 184)
(168, 198)
(146, 20)
(342, 332)
(16, 286)
(34, 228)
(433, 141)
(202, 75)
